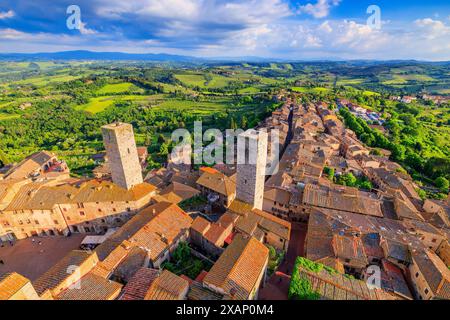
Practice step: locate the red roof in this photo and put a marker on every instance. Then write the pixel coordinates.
(230, 238)
(137, 287)
(209, 170)
(201, 276)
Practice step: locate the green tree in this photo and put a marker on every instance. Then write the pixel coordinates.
(244, 122)
(443, 184)
(233, 124)
(272, 253)
(164, 149)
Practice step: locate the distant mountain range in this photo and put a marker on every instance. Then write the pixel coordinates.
(162, 57)
(120, 56)
(91, 55)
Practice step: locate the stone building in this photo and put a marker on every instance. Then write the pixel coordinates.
(84, 206)
(251, 167)
(122, 154)
(240, 270)
(35, 165)
(430, 276)
(210, 237)
(217, 187)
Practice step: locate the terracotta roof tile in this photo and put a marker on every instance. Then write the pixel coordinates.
(167, 286)
(60, 271)
(239, 267)
(91, 287)
(154, 229)
(218, 182)
(137, 287)
(41, 196)
(201, 225)
(10, 284)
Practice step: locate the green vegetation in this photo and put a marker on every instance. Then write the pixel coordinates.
(193, 203)
(275, 259)
(183, 262)
(300, 287)
(116, 88)
(348, 179)
(410, 146)
(60, 106)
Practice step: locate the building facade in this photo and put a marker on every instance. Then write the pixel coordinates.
(251, 167)
(122, 154)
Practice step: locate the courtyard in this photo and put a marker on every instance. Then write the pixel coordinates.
(34, 256)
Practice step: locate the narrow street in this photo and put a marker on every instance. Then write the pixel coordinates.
(277, 286)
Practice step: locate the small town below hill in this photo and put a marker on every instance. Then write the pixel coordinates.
(340, 220)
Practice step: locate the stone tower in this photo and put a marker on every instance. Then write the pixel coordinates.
(123, 159)
(251, 167)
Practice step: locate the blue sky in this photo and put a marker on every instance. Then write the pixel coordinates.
(295, 29)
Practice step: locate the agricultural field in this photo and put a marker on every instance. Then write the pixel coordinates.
(60, 106)
(116, 88)
(204, 80)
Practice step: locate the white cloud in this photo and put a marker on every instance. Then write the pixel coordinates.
(246, 28)
(342, 39)
(11, 34)
(319, 10)
(7, 14)
(198, 11)
(434, 28)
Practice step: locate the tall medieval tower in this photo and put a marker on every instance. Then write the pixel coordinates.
(123, 159)
(251, 167)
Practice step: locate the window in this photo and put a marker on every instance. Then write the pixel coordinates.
(99, 210)
(128, 209)
(35, 221)
(55, 222)
(417, 275)
(434, 240)
(426, 291)
(82, 213)
(20, 222)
